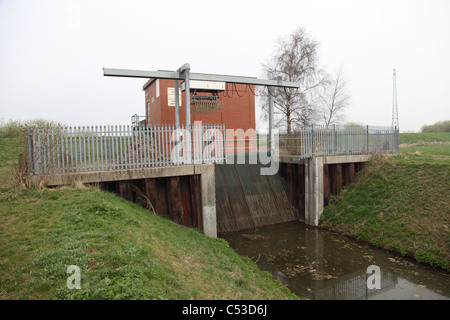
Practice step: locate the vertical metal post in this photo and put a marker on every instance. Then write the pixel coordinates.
(346, 140)
(88, 167)
(131, 147)
(316, 192)
(160, 153)
(187, 94)
(333, 137)
(397, 139)
(53, 151)
(271, 116)
(30, 150)
(76, 139)
(271, 135)
(177, 105)
(45, 144)
(177, 117)
(224, 142)
(97, 159)
(367, 134)
(147, 140)
(101, 162)
(116, 142)
(165, 146)
(152, 147)
(108, 148)
(62, 150)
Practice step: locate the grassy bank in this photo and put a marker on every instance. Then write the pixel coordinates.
(123, 250)
(428, 137)
(400, 203)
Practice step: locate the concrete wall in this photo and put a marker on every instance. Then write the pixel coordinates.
(311, 182)
(313, 190)
(317, 186)
(208, 191)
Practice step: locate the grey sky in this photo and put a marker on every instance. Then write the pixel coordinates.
(52, 52)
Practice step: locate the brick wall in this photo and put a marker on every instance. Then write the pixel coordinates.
(238, 111)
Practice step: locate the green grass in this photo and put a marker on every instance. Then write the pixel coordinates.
(425, 155)
(9, 151)
(123, 250)
(399, 203)
(410, 138)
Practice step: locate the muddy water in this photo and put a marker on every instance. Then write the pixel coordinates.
(318, 264)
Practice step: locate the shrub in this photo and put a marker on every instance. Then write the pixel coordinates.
(442, 126)
(14, 128)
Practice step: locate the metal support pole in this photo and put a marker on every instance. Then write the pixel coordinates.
(177, 104)
(334, 139)
(30, 150)
(397, 139)
(184, 72)
(187, 93)
(367, 137)
(271, 134)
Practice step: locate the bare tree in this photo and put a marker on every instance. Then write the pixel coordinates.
(296, 60)
(334, 98)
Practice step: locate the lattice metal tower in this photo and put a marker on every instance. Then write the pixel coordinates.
(394, 105)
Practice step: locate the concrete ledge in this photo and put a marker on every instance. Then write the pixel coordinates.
(328, 159)
(203, 168)
(346, 159)
(120, 175)
(290, 159)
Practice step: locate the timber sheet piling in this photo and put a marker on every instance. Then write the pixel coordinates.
(246, 199)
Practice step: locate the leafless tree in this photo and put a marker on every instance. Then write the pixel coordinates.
(334, 99)
(295, 59)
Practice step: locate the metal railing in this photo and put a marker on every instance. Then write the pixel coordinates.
(56, 150)
(318, 140)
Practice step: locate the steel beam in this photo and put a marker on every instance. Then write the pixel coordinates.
(141, 74)
(244, 80)
(177, 75)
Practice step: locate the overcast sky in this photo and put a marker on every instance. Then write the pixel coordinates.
(52, 52)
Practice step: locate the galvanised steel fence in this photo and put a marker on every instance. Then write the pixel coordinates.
(55, 150)
(319, 140)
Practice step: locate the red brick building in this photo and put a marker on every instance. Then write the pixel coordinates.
(238, 105)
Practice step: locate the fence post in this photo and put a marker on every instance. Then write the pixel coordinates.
(397, 139)
(224, 142)
(333, 137)
(313, 147)
(30, 150)
(367, 134)
(203, 146)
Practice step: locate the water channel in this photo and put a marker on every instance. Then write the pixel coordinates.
(318, 264)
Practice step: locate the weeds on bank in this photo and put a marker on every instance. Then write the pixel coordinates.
(399, 203)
